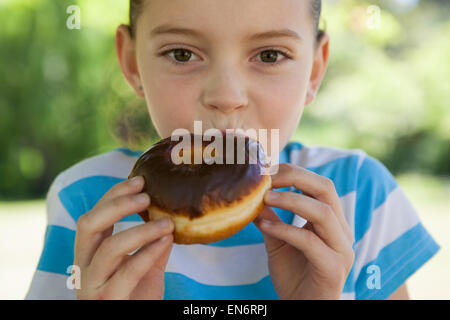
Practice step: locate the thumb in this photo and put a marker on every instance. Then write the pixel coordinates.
(271, 243)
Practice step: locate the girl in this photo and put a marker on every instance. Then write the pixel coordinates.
(232, 64)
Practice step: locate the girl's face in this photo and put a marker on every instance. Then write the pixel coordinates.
(247, 64)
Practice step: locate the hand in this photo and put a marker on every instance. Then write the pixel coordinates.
(107, 271)
(312, 262)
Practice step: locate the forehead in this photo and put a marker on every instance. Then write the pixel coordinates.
(211, 19)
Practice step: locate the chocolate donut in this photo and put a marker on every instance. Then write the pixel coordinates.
(210, 195)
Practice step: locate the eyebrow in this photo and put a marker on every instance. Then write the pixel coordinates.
(281, 33)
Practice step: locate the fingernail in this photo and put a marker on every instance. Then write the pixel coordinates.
(136, 181)
(265, 222)
(142, 198)
(271, 195)
(163, 223)
(164, 238)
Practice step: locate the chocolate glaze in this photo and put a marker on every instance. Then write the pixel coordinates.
(191, 189)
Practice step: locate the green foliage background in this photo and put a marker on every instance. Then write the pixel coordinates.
(63, 97)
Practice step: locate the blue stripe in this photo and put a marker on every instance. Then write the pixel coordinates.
(292, 146)
(341, 171)
(82, 195)
(180, 287)
(374, 184)
(349, 285)
(397, 261)
(57, 254)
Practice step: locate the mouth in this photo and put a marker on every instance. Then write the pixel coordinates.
(227, 131)
(234, 131)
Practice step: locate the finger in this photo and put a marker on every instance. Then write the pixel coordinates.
(314, 185)
(126, 278)
(267, 213)
(130, 186)
(272, 244)
(112, 211)
(314, 249)
(148, 282)
(114, 248)
(161, 262)
(84, 249)
(92, 225)
(320, 214)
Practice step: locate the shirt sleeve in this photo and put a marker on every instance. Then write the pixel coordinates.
(391, 242)
(54, 266)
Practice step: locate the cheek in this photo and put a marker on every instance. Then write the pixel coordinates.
(171, 103)
(281, 98)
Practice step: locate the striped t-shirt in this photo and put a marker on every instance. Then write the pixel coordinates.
(390, 241)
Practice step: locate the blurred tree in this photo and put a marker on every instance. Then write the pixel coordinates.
(386, 89)
(63, 97)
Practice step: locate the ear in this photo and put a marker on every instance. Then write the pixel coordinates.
(126, 54)
(319, 68)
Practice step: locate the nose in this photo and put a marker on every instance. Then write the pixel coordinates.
(225, 92)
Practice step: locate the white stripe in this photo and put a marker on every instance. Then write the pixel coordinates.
(220, 266)
(113, 164)
(56, 212)
(49, 286)
(347, 296)
(299, 221)
(348, 206)
(213, 265)
(362, 157)
(314, 156)
(389, 221)
(124, 225)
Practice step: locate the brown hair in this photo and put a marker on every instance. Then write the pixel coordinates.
(136, 7)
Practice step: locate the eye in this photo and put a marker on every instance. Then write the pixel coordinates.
(270, 57)
(179, 56)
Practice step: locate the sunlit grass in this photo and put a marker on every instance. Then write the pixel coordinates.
(425, 188)
(22, 227)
